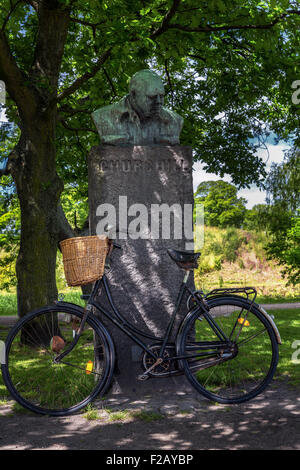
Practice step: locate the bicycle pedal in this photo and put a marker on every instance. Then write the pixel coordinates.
(143, 377)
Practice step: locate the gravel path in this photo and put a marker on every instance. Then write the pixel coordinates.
(181, 422)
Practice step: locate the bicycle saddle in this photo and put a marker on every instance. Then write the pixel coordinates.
(184, 259)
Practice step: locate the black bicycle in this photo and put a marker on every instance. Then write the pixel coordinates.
(59, 358)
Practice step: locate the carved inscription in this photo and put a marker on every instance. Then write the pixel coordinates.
(147, 166)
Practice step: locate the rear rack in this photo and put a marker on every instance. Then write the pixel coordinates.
(248, 291)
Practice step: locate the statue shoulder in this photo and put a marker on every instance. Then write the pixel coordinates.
(110, 113)
(172, 120)
(170, 115)
(109, 123)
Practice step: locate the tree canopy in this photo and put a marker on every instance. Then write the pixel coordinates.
(222, 206)
(221, 62)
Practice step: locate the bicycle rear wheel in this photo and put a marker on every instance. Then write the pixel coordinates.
(43, 386)
(232, 371)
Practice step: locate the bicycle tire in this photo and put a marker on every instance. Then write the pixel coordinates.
(246, 373)
(42, 386)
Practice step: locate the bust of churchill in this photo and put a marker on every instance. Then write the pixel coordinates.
(140, 117)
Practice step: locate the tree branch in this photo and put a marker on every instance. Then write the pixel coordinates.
(53, 20)
(33, 3)
(110, 81)
(86, 23)
(79, 81)
(7, 170)
(15, 80)
(166, 21)
(77, 129)
(13, 7)
(65, 108)
(209, 29)
(64, 228)
(195, 56)
(169, 81)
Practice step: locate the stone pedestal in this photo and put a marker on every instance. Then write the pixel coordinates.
(144, 280)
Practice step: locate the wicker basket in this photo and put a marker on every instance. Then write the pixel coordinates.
(84, 259)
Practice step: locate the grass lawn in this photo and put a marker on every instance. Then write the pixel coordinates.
(8, 301)
(288, 324)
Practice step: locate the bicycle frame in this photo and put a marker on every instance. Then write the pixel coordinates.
(131, 331)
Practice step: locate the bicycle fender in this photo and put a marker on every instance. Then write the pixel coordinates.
(105, 331)
(271, 321)
(73, 307)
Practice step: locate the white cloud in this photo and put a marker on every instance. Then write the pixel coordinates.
(200, 175)
(253, 194)
(276, 153)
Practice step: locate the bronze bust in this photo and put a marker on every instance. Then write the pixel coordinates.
(140, 117)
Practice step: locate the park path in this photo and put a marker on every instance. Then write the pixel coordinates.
(164, 422)
(280, 306)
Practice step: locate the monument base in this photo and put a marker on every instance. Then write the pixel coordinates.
(131, 186)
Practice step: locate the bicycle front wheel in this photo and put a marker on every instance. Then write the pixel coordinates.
(58, 389)
(233, 370)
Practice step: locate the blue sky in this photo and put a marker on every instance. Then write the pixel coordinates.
(253, 195)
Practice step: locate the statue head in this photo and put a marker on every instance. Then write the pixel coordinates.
(146, 94)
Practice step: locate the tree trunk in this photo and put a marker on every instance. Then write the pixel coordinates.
(39, 189)
(33, 163)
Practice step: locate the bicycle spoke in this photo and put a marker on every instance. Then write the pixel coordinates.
(244, 365)
(44, 384)
(252, 337)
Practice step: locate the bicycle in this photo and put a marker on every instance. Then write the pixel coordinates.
(60, 357)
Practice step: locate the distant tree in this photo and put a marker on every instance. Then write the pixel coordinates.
(203, 189)
(257, 217)
(283, 186)
(222, 206)
(283, 182)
